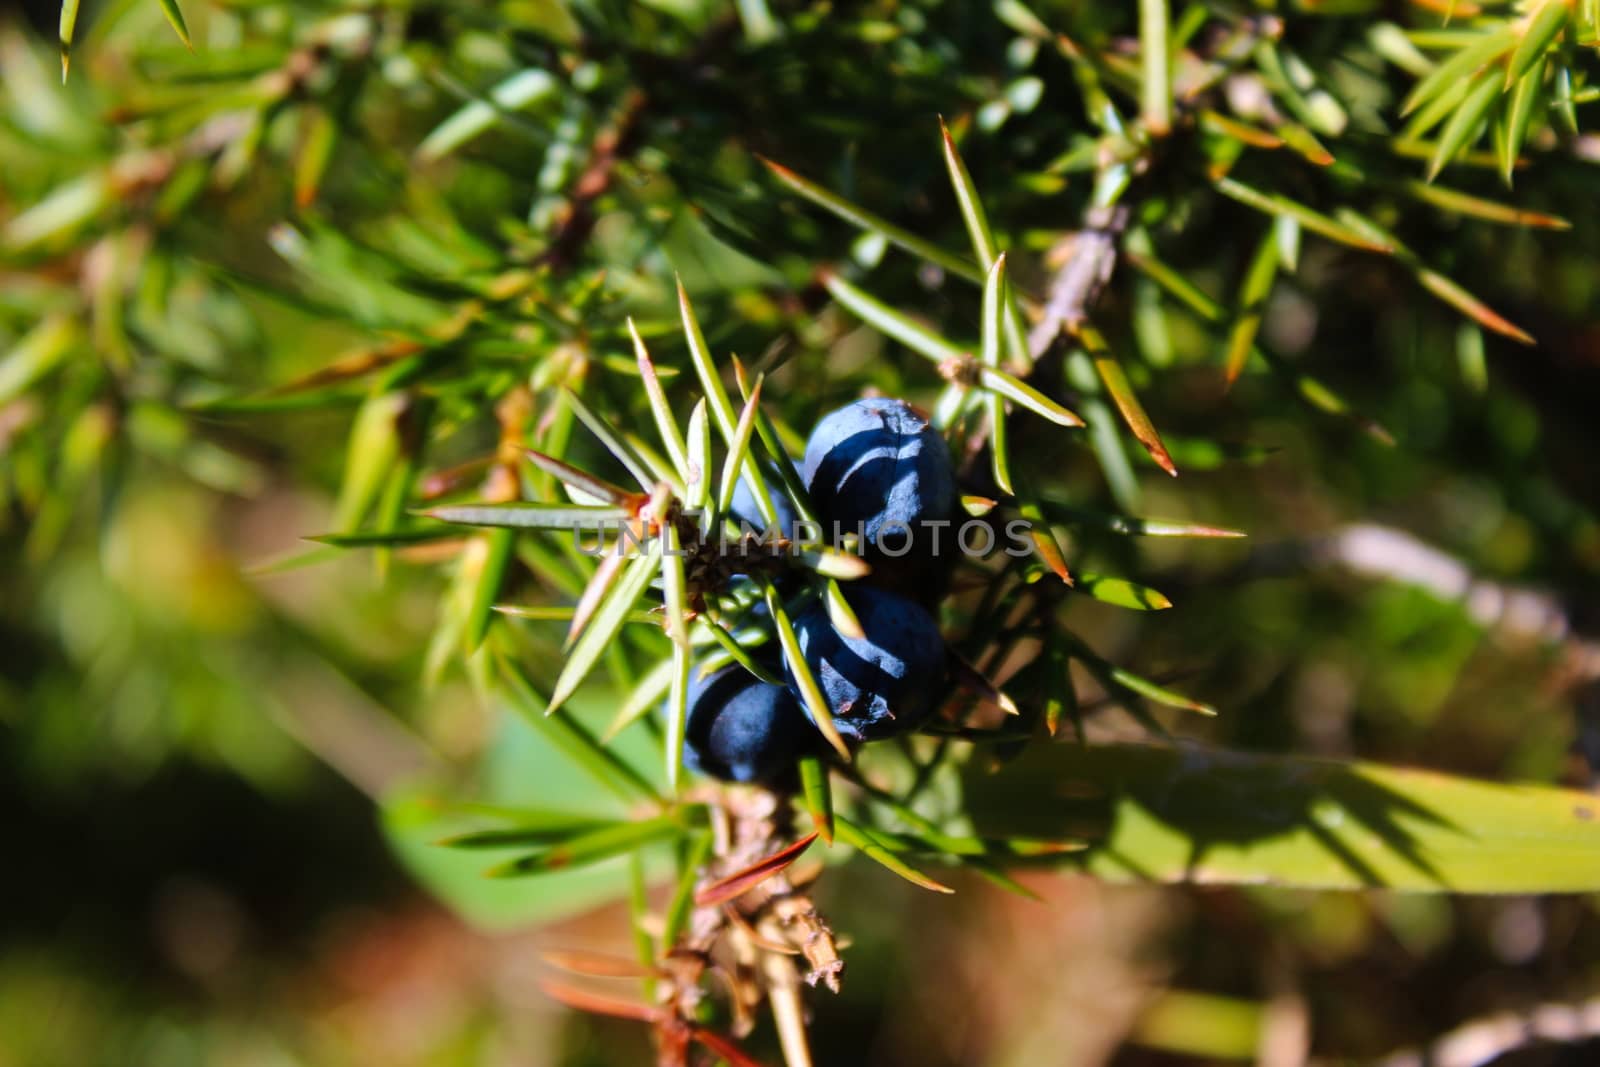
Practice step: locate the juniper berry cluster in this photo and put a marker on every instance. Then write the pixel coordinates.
(875, 466)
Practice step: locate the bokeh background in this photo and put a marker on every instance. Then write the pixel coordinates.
(214, 765)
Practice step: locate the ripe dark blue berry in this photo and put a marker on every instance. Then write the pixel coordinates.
(876, 464)
(884, 683)
(741, 729)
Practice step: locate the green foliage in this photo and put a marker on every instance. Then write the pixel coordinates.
(1210, 818)
(482, 275)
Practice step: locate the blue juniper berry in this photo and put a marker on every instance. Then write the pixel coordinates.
(884, 683)
(877, 465)
(742, 729)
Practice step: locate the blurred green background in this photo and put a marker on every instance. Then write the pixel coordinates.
(217, 772)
